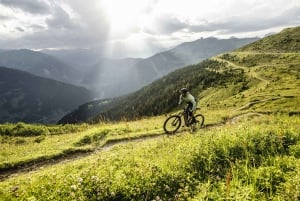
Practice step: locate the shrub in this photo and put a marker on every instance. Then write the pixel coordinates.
(84, 141)
(268, 179)
(39, 139)
(25, 130)
(100, 135)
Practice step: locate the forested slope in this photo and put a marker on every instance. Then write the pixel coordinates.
(262, 76)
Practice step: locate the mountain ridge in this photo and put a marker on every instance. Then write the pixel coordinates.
(39, 64)
(144, 71)
(29, 98)
(229, 80)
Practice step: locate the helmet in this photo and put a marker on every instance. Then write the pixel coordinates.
(183, 90)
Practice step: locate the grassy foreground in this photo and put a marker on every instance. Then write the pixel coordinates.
(254, 157)
(25, 143)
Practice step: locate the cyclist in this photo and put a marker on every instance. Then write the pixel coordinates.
(189, 99)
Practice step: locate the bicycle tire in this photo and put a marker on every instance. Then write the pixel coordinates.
(199, 121)
(172, 124)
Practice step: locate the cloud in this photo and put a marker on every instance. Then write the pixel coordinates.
(30, 6)
(20, 29)
(165, 24)
(5, 18)
(160, 23)
(68, 24)
(236, 24)
(60, 19)
(89, 23)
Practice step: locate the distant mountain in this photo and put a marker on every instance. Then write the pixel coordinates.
(80, 59)
(262, 76)
(112, 78)
(29, 98)
(182, 55)
(109, 78)
(40, 64)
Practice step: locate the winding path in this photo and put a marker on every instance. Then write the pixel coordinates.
(67, 157)
(252, 70)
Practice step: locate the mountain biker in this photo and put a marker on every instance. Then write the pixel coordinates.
(189, 99)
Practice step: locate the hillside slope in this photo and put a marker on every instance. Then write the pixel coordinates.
(29, 98)
(159, 97)
(113, 78)
(182, 55)
(286, 41)
(240, 80)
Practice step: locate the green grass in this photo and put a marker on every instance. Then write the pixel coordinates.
(253, 158)
(24, 143)
(273, 81)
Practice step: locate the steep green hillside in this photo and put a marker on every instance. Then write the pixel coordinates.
(160, 96)
(29, 98)
(243, 80)
(153, 68)
(185, 54)
(116, 77)
(287, 40)
(275, 81)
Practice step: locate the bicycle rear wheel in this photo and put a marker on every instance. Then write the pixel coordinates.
(199, 122)
(172, 124)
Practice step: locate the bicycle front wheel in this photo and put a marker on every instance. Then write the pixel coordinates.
(172, 124)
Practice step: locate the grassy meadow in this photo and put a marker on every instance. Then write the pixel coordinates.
(24, 143)
(248, 150)
(252, 157)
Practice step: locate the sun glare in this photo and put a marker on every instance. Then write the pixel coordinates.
(127, 20)
(124, 16)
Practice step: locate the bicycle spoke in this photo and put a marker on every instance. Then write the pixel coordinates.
(172, 124)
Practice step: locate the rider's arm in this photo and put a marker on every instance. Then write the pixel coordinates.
(194, 105)
(180, 100)
(193, 101)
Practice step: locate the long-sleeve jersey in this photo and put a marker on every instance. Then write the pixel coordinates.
(189, 98)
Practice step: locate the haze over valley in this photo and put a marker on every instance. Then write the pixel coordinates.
(112, 52)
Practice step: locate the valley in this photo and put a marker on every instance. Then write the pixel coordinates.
(115, 149)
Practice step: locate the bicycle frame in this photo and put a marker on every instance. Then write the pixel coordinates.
(185, 116)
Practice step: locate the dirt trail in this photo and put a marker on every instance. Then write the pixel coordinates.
(71, 156)
(67, 157)
(252, 72)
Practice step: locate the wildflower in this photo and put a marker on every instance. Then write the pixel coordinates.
(94, 178)
(74, 187)
(80, 180)
(14, 189)
(167, 188)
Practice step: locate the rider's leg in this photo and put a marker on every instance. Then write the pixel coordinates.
(189, 114)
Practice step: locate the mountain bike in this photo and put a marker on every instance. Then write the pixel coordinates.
(173, 122)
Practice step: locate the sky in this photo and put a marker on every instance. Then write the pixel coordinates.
(137, 28)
